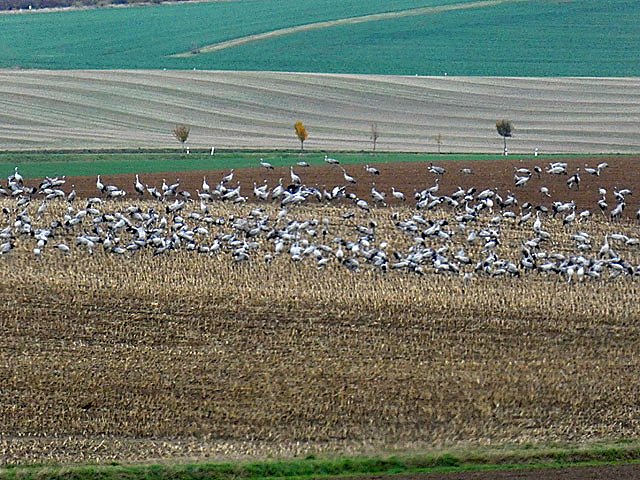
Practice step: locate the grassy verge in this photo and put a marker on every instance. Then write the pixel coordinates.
(311, 467)
(35, 165)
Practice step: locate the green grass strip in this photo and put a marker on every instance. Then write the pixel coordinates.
(311, 467)
(37, 165)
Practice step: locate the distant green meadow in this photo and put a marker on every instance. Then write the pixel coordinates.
(525, 38)
(38, 165)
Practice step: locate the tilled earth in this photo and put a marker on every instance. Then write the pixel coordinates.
(411, 177)
(619, 472)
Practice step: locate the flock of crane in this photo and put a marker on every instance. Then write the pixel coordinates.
(460, 233)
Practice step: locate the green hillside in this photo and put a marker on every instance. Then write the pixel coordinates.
(514, 38)
(35, 4)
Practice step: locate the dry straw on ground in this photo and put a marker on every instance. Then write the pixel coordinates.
(106, 357)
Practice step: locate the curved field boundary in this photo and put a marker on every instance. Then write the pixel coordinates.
(342, 21)
(55, 110)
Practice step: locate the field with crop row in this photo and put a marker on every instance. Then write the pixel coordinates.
(138, 329)
(493, 38)
(132, 109)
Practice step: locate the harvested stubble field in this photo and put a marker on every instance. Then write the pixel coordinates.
(138, 109)
(141, 357)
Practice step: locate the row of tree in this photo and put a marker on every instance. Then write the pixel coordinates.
(35, 4)
(504, 128)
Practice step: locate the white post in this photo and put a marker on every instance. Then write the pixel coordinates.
(213, 150)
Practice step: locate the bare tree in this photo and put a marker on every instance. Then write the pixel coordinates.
(375, 134)
(439, 139)
(505, 129)
(181, 132)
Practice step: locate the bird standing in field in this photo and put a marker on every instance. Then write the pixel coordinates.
(574, 180)
(372, 170)
(397, 195)
(228, 177)
(294, 178)
(266, 165)
(138, 186)
(348, 177)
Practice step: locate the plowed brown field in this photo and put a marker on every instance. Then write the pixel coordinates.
(409, 177)
(622, 472)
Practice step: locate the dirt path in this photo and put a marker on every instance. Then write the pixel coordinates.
(339, 22)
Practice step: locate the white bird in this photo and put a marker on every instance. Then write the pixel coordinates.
(17, 177)
(617, 212)
(348, 177)
(228, 177)
(397, 195)
(277, 190)
(537, 225)
(205, 186)
(545, 191)
(63, 248)
(521, 181)
(377, 196)
(266, 165)
(99, 184)
(569, 218)
(294, 178)
(372, 170)
(437, 170)
(138, 186)
(591, 171)
(574, 180)
(331, 161)
(362, 204)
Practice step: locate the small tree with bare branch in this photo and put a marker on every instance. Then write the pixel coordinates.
(439, 139)
(375, 134)
(181, 132)
(302, 133)
(505, 129)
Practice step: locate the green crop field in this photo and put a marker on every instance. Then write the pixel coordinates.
(143, 37)
(513, 38)
(85, 164)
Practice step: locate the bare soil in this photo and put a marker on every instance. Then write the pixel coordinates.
(412, 177)
(619, 472)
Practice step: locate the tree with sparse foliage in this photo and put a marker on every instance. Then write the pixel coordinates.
(302, 133)
(439, 138)
(505, 129)
(375, 134)
(181, 132)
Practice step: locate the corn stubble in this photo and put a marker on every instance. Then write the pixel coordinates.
(186, 355)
